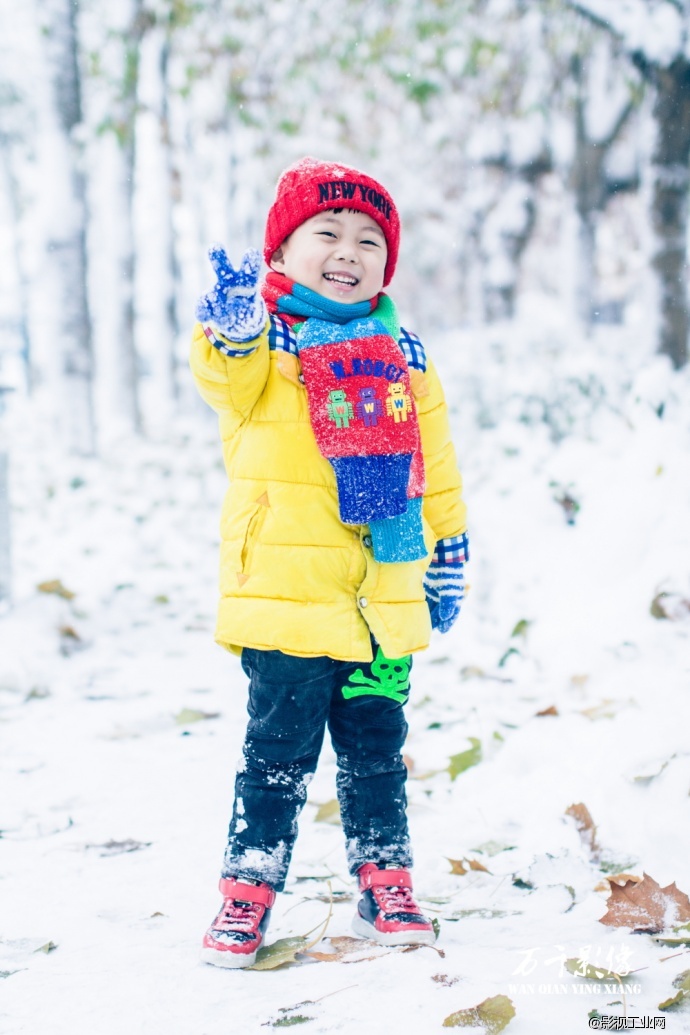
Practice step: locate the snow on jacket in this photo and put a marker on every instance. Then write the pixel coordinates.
(293, 577)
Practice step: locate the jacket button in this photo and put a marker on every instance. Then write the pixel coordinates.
(367, 541)
(363, 601)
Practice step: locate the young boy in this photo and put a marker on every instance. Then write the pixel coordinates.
(343, 539)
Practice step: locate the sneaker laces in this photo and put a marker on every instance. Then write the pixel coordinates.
(395, 899)
(238, 916)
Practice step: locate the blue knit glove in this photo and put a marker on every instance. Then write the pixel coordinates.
(444, 582)
(234, 305)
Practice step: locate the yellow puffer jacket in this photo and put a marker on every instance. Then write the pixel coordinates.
(293, 577)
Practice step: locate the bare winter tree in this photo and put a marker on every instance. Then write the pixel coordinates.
(594, 139)
(66, 264)
(112, 107)
(505, 233)
(172, 187)
(123, 124)
(12, 119)
(655, 35)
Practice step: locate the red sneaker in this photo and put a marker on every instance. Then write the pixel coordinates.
(237, 933)
(387, 913)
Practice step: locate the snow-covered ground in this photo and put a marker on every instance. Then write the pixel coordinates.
(122, 723)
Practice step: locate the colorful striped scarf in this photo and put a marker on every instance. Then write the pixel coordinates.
(362, 411)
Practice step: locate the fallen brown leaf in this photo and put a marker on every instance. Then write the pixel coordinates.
(671, 606)
(342, 946)
(55, 586)
(445, 980)
(581, 968)
(682, 983)
(457, 764)
(551, 710)
(69, 632)
(679, 935)
(585, 828)
(186, 716)
(493, 1015)
(645, 906)
(285, 951)
(328, 812)
(623, 878)
(416, 948)
(606, 709)
(472, 672)
(281, 953)
(461, 866)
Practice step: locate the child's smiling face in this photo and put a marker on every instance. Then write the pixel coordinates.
(339, 254)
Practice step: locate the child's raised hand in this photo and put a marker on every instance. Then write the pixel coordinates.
(234, 304)
(235, 281)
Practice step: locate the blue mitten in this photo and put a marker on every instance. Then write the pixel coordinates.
(234, 305)
(444, 582)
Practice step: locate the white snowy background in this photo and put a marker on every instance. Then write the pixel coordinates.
(121, 721)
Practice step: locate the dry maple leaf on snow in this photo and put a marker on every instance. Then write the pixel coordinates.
(462, 866)
(585, 828)
(644, 906)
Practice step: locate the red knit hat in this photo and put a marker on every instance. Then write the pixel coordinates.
(310, 186)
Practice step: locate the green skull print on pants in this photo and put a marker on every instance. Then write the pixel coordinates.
(390, 677)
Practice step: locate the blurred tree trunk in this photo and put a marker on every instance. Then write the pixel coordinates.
(66, 266)
(671, 177)
(156, 201)
(5, 540)
(505, 233)
(171, 197)
(112, 36)
(122, 123)
(591, 188)
(126, 135)
(12, 192)
(670, 170)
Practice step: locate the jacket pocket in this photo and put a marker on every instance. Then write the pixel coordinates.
(251, 538)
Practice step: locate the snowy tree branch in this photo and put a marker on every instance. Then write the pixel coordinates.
(597, 19)
(623, 117)
(654, 35)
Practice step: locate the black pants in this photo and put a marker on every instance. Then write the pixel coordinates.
(291, 701)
